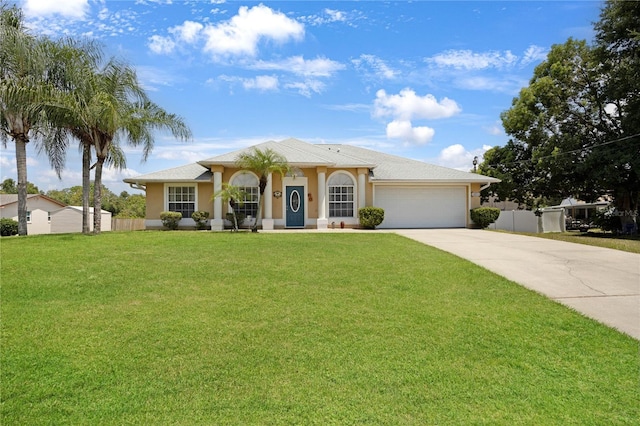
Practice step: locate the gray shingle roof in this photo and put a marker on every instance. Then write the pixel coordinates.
(297, 153)
(190, 173)
(394, 168)
(385, 167)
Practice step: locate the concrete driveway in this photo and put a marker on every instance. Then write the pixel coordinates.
(601, 283)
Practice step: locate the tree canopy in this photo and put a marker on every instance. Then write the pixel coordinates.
(575, 130)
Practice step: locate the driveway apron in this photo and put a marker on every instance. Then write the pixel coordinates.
(601, 283)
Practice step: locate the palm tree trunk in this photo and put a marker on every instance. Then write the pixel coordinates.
(258, 213)
(97, 196)
(21, 162)
(86, 187)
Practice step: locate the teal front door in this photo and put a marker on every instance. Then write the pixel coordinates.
(295, 206)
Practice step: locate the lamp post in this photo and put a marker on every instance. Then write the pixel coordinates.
(475, 163)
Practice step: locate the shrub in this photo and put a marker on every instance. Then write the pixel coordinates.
(370, 217)
(200, 218)
(239, 217)
(170, 220)
(8, 227)
(608, 220)
(484, 216)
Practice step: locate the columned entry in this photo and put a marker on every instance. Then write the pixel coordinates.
(294, 209)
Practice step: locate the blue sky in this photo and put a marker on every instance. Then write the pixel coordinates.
(425, 80)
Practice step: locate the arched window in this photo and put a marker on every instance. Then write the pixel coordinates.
(248, 183)
(341, 195)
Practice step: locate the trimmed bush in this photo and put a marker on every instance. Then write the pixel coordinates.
(200, 218)
(8, 227)
(484, 216)
(370, 217)
(170, 220)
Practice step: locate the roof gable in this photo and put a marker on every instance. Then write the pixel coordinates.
(189, 173)
(6, 199)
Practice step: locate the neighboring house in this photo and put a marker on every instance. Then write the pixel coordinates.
(39, 209)
(581, 210)
(69, 219)
(327, 186)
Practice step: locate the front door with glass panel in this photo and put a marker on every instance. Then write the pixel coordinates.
(295, 206)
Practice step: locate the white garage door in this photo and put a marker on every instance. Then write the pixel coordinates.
(422, 207)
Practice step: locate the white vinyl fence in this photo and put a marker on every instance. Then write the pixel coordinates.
(552, 220)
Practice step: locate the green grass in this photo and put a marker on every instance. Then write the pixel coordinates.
(630, 243)
(310, 328)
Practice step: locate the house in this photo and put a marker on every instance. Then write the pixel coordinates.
(39, 209)
(327, 186)
(48, 216)
(69, 219)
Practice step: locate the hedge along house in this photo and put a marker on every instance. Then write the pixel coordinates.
(326, 187)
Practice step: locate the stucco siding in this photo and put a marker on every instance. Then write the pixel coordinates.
(155, 200)
(205, 203)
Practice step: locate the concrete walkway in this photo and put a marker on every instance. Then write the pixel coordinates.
(601, 283)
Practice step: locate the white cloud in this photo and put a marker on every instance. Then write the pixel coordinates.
(403, 130)
(335, 15)
(468, 60)
(306, 88)
(161, 45)
(188, 31)
(458, 157)
(533, 54)
(379, 68)
(319, 67)
(407, 106)
(241, 34)
(328, 16)
(262, 82)
(75, 9)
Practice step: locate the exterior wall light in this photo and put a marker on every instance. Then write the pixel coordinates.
(277, 194)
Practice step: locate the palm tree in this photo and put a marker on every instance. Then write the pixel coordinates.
(72, 64)
(262, 163)
(126, 113)
(235, 196)
(22, 89)
(108, 106)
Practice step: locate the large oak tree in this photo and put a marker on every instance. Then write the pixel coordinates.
(575, 130)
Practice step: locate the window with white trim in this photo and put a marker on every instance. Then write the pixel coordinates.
(248, 183)
(341, 195)
(28, 217)
(182, 199)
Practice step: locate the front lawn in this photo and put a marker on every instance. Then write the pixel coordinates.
(630, 243)
(309, 328)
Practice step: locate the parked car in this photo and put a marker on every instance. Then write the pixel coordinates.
(577, 225)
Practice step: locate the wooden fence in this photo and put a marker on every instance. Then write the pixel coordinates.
(118, 224)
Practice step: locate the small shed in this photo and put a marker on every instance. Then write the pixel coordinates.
(69, 219)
